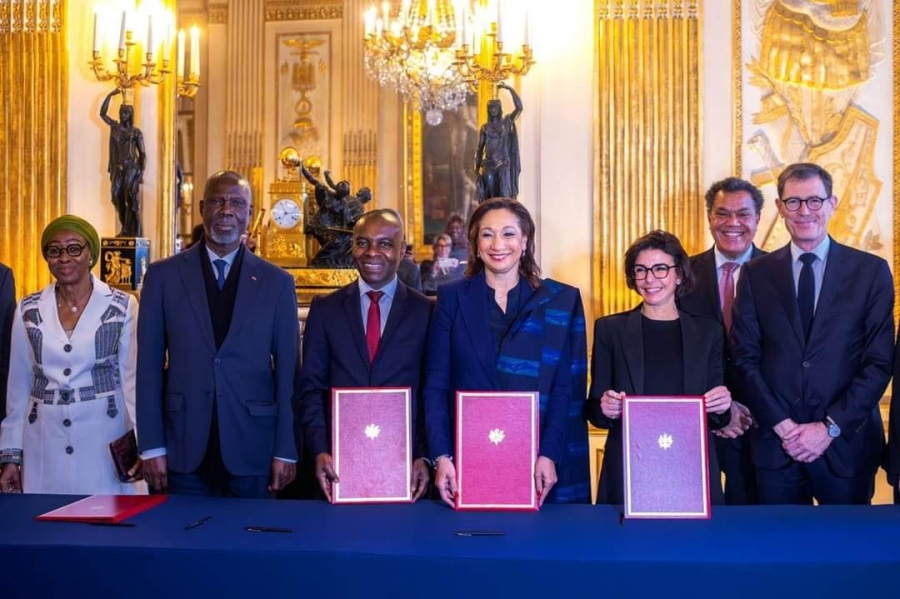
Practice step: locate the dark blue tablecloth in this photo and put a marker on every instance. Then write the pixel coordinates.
(411, 550)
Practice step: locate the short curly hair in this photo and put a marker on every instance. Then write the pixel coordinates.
(665, 242)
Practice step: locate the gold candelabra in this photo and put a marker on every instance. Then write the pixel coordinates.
(495, 65)
(152, 71)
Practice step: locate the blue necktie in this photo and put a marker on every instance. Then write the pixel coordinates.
(220, 269)
(806, 292)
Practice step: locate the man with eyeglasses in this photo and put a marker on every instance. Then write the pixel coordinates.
(812, 341)
(733, 209)
(217, 420)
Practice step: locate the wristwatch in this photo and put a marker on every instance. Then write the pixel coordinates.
(834, 431)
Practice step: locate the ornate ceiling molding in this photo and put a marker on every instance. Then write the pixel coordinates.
(304, 10)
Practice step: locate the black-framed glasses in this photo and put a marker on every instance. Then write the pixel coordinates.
(813, 203)
(660, 271)
(235, 203)
(55, 251)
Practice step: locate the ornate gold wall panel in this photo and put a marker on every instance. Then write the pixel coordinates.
(34, 92)
(244, 100)
(304, 10)
(165, 207)
(360, 105)
(647, 134)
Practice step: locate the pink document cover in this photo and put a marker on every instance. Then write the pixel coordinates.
(496, 448)
(372, 445)
(104, 508)
(666, 457)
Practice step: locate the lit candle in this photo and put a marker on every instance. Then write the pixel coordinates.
(195, 53)
(96, 40)
(527, 29)
(150, 34)
(499, 21)
(122, 33)
(386, 7)
(179, 64)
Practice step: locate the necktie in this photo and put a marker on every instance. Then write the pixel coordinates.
(373, 323)
(806, 292)
(726, 292)
(220, 270)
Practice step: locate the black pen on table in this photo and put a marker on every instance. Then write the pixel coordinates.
(479, 533)
(122, 524)
(199, 522)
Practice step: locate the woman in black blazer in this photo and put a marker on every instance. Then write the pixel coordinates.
(654, 350)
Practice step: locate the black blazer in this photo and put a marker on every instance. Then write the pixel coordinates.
(841, 371)
(617, 363)
(7, 309)
(335, 355)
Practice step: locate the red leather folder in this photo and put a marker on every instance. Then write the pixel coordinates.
(371, 445)
(666, 457)
(497, 436)
(103, 508)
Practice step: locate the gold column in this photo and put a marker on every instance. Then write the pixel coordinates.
(166, 224)
(244, 89)
(647, 134)
(360, 104)
(34, 87)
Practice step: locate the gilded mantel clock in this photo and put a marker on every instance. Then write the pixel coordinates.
(285, 240)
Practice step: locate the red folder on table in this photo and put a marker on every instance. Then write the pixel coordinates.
(496, 447)
(666, 457)
(371, 445)
(104, 508)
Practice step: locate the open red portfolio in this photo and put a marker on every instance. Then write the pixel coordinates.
(104, 508)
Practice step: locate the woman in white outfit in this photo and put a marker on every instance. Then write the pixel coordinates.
(71, 375)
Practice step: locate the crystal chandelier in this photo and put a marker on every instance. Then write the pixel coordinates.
(413, 50)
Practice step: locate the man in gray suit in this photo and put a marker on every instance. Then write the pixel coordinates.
(217, 420)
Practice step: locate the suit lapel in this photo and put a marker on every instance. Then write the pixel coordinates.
(632, 342)
(195, 289)
(835, 277)
(354, 317)
(783, 279)
(709, 282)
(248, 285)
(474, 314)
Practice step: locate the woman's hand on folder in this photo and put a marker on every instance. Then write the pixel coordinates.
(544, 477)
(10, 479)
(421, 476)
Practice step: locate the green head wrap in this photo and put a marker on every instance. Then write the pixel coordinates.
(75, 224)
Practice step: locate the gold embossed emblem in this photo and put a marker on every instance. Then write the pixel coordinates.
(496, 436)
(665, 441)
(372, 431)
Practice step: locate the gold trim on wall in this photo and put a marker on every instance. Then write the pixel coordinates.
(164, 238)
(33, 133)
(218, 14)
(412, 178)
(647, 134)
(895, 19)
(304, 10)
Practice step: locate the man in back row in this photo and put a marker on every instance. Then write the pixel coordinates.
(733, 209)
(812, 341)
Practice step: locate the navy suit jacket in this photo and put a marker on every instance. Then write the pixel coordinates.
(7, 309)
(892, 463)
(335, 355)
(617, 363)
(544, 350)
(251, 376)
(841, 371)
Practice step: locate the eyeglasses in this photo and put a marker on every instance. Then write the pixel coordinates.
(55, 251)
(235, 203)
(660, 271)
(743, 216)
(813, 203)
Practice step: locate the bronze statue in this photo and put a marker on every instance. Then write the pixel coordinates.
(336, 215)
(497, 159)
(127, 160)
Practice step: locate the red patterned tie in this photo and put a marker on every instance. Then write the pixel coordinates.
(726, 292)
(373, 323)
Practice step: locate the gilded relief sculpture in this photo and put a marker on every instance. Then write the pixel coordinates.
(814, 60)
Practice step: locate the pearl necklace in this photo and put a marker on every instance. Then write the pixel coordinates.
(73, 307)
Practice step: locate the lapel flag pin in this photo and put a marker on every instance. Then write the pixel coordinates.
(253, 277)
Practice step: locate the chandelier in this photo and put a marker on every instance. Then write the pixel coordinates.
(413, 50)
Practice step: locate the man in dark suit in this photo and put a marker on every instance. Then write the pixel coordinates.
(217, 353)
(892, 464)
(733, 208)
(7, 309)
(812, 341)
(370, 333)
